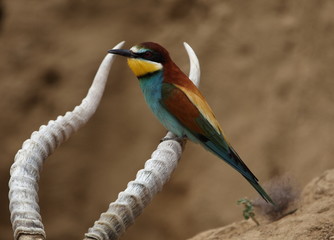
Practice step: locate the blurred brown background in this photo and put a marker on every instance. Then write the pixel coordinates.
(267, 71)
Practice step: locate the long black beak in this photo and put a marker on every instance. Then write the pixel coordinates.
(122, 52)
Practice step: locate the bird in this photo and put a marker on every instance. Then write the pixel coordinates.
(180, 106)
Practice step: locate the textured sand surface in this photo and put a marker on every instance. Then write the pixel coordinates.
(312, 220)
(267, 71)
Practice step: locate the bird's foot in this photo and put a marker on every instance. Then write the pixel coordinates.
(179, 139)
(182, 140)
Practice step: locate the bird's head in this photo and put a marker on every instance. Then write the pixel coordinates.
(145, 58)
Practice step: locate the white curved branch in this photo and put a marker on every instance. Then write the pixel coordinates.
(23, 183)
(194, 72)
(149, 181)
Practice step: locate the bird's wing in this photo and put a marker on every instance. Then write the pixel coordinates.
(193, 112)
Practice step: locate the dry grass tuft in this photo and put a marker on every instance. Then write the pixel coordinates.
(284, 193)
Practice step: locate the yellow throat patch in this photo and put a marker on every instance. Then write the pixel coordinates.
(142, 67)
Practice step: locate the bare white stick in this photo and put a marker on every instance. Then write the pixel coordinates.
(195, 71)
(149, 181)
(23, 183)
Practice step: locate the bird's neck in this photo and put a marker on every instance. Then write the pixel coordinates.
(150, 85)
(151, 82)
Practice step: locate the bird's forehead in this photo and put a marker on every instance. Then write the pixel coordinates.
(138, 49)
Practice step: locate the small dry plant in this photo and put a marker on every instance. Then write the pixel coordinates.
(285, 194)
(248, 211)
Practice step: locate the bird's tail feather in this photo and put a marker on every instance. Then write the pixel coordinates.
(262, 192)
(233, 159)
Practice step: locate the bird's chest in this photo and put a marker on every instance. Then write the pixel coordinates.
(151, 89)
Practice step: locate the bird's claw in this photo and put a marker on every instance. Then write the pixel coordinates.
(182, 140)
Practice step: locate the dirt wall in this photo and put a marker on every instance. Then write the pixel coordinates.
(267, 71)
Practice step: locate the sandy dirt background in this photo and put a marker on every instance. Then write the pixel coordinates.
(267, 71)
(313, 219)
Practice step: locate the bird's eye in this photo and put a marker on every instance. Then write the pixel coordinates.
(147, 54)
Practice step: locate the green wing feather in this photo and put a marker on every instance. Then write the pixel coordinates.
(179, 104)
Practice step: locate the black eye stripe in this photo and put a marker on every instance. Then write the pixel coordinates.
(146, 54)
(152, 56)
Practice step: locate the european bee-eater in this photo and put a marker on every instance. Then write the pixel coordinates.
(180, 106)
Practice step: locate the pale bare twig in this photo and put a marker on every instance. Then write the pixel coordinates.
(23, 195)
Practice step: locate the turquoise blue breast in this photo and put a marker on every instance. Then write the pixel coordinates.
(151, 88)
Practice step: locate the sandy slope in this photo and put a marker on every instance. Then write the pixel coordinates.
(313, 219)
(267, 71)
